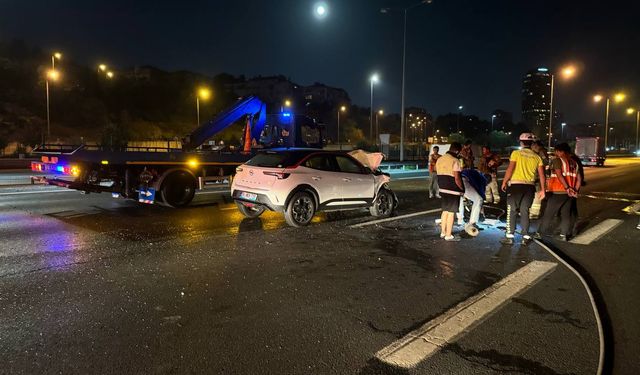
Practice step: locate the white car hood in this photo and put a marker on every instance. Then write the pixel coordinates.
(368, 159)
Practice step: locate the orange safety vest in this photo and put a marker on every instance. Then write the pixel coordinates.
(570, 174)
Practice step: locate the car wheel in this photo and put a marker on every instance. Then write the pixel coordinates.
(383, 204)
(300, 209)
(250, 211)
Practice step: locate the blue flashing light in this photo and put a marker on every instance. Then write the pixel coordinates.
(286, 114)
(543, 69)
(60, 168)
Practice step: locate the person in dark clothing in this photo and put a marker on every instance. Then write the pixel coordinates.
(574, 203)
(564, 184)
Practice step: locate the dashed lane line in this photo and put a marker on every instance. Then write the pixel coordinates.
(372, 222)
(596, 232)
(427, 340)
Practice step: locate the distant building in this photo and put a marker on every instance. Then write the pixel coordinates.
(536, 100)
(274, 90)
(319, 93)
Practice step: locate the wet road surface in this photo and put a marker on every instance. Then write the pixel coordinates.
(89, 284)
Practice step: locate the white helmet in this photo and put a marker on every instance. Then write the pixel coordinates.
(528, 137)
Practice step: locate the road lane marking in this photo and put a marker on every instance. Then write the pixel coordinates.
(372, 222)
(427, 340)
(633, 209)
(596, 232)
(615, 193)
(610, 198)
(37, 192)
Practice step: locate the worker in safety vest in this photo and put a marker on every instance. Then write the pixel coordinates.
(519, 184)
(562, 187)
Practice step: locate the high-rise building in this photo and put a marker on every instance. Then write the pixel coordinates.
(536, 100)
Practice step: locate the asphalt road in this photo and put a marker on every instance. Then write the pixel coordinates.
(91, 284)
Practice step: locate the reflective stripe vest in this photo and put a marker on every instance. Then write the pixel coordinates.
(570, 173)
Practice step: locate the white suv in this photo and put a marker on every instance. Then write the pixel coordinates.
(300, 182)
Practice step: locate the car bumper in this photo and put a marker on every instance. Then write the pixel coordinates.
(261, 200)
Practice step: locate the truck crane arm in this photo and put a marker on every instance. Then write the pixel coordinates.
(251, 106)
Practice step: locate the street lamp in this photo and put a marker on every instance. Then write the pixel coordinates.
(320, 10)
(562, 131)
(374, 79)
(404, 60)
(110, 74)
(617, 98)
(493, 118)
(52, 75)
(379, 113)
(342, 109)
(204, 94)
(460, 108)
(102, 68)
(54, 57)
(566, 73)
(630, 111)
(287, 103)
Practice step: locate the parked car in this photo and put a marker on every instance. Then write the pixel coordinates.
(301, 182)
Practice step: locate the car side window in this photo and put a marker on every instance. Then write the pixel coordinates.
(347, 165)
(320, 162)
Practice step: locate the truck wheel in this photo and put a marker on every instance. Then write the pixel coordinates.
(383, 204)
(300, 209)
(250, 212)
(178, 189)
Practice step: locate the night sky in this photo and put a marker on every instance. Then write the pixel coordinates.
(465, 52)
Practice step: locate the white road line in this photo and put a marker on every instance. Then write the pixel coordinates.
(38, 192)
(427, 340)
(360, 225)
(596, 232)
(633, 209)
(609, 198)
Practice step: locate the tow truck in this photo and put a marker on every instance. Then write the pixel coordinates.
(171, 176)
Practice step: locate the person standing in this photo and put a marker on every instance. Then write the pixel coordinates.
(536, 206)
(574, 203)
(433, 182)
(563, 186)
(466, 154)
(519, 184)
(448, 169)
(489, 163)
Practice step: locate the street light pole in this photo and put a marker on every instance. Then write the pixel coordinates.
(48, 113)
(371, 113)
(197, 110)
(493, 117)
(404, 61)
(551, 110)
(637, 127)
(606, 125)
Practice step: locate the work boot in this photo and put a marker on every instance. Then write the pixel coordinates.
(507, 240)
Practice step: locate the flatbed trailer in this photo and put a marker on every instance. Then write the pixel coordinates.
(171, 176)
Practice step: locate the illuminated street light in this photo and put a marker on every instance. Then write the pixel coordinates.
(460, 108)
(567, 72)
(379, 113)
(52, 75)
(287, 103)
(374, 79)
(109, 74)
(630, 111)
(102, 68)
(204, 94)
(562, 130)
(617, 98)
(321, 10)
(54, 57)
(342, 109)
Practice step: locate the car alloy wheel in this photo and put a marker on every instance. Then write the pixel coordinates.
(302, 209)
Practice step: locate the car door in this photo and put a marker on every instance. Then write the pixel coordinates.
(320, 172)
(356, 183)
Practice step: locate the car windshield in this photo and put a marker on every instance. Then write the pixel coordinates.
(275, 159)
